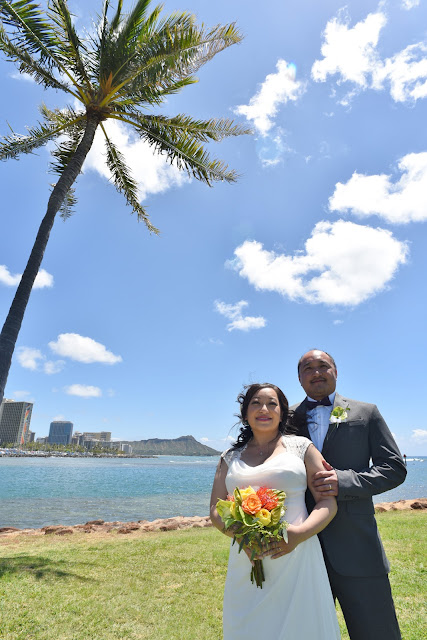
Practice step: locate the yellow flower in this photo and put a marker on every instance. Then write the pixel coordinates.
(264, 516)
(246, 492)
(233, 509)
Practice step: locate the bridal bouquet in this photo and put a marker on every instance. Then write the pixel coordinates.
(260, 519)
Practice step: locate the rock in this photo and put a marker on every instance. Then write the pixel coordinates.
(63, 532)
(168, 526)
(53, 528)
(96, 522)
(129, 527)
(419, 505)
(7, 529)
(380, 509)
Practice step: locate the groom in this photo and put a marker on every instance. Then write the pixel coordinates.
(364, 460)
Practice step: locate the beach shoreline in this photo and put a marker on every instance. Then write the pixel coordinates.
(168, 524)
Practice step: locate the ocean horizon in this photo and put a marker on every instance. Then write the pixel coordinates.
(36, 492)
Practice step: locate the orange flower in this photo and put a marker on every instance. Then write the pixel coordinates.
(252, 504)
(230, 498)
(268, 498)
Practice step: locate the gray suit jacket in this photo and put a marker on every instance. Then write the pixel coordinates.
(367, 461)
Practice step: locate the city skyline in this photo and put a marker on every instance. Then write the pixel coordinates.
(321, 242)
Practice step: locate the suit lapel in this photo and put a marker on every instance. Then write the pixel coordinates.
(301, 410)
(333, 426)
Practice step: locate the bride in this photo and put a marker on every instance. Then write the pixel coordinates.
(295, 600)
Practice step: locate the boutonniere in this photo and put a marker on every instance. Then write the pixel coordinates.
(339, 414)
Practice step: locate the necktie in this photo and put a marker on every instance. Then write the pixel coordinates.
(311, 404)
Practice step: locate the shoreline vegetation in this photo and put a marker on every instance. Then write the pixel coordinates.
(182, 446)
(163, 584)
(168, 524)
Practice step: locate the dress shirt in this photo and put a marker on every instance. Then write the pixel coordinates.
(318, 422)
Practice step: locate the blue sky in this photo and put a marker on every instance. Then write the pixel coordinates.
(321, 243)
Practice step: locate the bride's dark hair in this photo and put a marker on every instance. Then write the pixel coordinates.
(286, 424)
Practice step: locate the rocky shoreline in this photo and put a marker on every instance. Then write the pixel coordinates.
(167, 524)
(100, 526)
(400, 505)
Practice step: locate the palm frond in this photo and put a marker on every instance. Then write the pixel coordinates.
(26, 64)
(133, 23)
(71, 43)
(119, 39)
(37, 35)
(116, 20)
(31, 29)
(202, 130)
(65, 148)
(66, 209)
(170, 57)
(195, 47)
(124, 182)
(187, 153)
(67, 116)
(15, 144)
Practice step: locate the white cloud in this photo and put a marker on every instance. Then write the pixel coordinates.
(151, 170)
(22, 396)
(420, 435)
(83, 391)
(34, 360)
(406, 72)
(16, 75)
(234, 313)
(272, 148)
(277, 89)
(50, 366)
(352, 55)
(349, 52)
(29, 358)
(82, 349)
(410, 4)
(397, 202)
(43, 278)
(343, 265)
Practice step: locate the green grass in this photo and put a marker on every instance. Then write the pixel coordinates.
(158, 585)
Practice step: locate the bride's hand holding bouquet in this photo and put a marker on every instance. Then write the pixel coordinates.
(256, 518)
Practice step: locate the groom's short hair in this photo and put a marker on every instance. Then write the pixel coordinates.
(316, 349)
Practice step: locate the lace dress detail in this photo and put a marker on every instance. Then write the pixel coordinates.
(297, 445)
(296, 600)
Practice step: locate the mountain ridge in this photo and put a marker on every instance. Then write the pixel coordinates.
(182, 446)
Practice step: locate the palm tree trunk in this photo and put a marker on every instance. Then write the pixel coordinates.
(12, 325)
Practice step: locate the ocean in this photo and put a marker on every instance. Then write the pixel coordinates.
(35, 492)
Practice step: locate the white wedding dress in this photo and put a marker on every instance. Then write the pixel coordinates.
(295, 602)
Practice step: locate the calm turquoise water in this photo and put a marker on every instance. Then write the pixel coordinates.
(37, 492)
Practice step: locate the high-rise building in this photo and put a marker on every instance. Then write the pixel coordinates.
(60, 432)
(105, 436)
(15, 418)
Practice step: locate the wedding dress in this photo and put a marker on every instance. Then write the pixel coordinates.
(295, 602)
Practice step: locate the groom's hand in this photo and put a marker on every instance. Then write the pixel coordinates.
(326, 482)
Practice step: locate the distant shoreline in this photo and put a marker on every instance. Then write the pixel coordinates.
(59, 454)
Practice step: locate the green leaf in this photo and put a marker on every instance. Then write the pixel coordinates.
(124, 181)
(247, 519)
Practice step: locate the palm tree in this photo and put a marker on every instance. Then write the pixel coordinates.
(130, 64)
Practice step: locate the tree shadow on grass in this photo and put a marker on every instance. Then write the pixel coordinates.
(40, 568)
